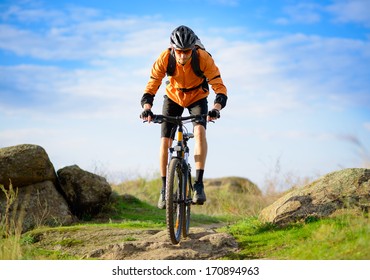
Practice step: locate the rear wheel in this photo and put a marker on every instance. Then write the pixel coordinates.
(174, 200)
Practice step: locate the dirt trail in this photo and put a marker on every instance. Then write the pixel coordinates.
(125, 244)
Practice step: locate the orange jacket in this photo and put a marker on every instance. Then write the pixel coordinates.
(185, 78)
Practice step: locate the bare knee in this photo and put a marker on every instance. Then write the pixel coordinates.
(166, 142)
(199, 131)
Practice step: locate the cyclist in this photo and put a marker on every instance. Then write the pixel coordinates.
(188, 90)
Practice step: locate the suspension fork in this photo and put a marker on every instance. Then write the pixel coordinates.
(180, 142)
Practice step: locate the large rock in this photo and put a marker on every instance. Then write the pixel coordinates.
(28, 170)
(85, 192)
(233, 184)
(36, 205)
(25, 165)
(348, 188)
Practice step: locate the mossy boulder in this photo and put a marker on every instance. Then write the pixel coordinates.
(344, 189)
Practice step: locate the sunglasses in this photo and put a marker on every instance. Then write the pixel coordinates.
(186, 52)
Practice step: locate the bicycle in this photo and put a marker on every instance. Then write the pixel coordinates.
(179, 185)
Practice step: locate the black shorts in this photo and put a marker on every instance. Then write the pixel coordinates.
(171, 108)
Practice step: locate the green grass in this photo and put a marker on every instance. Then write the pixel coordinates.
(342, 237)
(128, 209)
(132, 209)
(31, 253)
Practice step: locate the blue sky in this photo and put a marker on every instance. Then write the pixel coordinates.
(72, 74)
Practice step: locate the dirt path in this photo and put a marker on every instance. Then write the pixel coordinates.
(107, 243)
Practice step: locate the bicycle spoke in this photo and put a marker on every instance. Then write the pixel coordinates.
(188, 200)
(174, 206)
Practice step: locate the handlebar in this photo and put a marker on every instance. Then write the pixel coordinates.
(178, 119)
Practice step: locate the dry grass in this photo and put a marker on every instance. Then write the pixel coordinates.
(221, 201)
(10, 228)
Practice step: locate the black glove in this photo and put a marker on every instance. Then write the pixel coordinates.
(146, 113)
(214, 113)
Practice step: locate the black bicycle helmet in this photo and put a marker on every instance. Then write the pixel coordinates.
(183, 38)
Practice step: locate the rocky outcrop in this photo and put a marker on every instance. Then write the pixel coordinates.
(348, 188)
(85, 192)
(233, 184)
(42, 198)
(29, 171)
(25, 165)
(40, 204)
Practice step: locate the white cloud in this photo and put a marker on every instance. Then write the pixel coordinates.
(306, 13)
(10, 136)
(40, 91)
(78, 34)
(231, 3)
(30, 14)
(347, 11)
(296, 72)
(341, 11)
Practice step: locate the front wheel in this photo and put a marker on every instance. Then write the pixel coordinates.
(174, 200)
(188, 202)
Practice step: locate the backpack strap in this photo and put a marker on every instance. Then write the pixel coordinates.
(195, 64)
(171, 66)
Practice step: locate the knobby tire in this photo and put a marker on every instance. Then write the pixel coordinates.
(174, 200)
(188, 202)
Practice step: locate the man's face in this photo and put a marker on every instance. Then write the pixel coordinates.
(182, 56)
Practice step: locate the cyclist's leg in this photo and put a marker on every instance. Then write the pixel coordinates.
(200, 149)
(163, 155)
